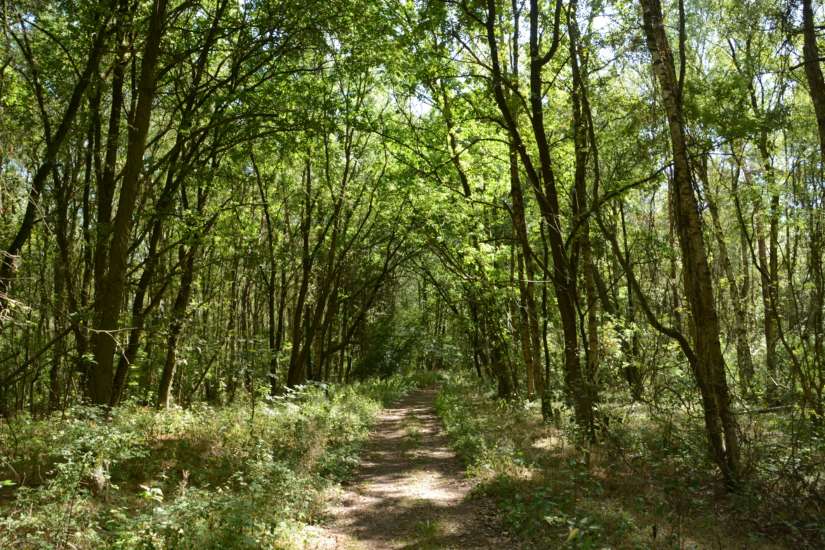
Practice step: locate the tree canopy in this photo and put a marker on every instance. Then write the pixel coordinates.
(586, 203)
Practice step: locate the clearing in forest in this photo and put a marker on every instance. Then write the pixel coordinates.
(410, 491)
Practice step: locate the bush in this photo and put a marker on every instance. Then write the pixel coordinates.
(644, 485)
(244, 476)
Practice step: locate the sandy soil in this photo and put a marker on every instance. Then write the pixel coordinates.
(410, 491)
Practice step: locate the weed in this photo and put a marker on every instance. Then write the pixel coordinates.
(202, 477)
(554, 494)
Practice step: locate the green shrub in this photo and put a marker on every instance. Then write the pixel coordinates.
(243, 476)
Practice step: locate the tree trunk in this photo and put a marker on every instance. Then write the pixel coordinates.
(273, 327)
(527, 277)
(542, 179)
(816, 89)
(632, 372)
(9, 256)
(744, 360)
(108, 302)
(813, 71)
(709, 368)
(297, 361)
(176, 325)
(582, 244)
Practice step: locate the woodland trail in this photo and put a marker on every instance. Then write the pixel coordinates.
(410, 491)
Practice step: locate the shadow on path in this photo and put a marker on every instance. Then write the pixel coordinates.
(409, 490)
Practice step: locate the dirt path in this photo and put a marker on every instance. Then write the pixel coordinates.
(410, 491)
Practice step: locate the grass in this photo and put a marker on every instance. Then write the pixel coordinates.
(412, 430)
(427, 534)
(232, 477)
(648, 484)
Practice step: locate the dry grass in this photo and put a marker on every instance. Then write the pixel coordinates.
(644, 486)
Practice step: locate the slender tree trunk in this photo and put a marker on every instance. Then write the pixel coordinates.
(527, 277)
(297, 361)
(60, 275)
(176, 326)
(583, 245)
(769, 307)
(139, 309)
(770, 269)
(8, 257)
(816, 89)
(108, 301)
(182, 153)
(633, 373)
(63, 286)
(673, 269)
(542, 179)
(720, 424)
(498, 360)
(813, 71)
(744, 360)
(272, 332)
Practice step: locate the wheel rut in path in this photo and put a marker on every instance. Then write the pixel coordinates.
(410, 491)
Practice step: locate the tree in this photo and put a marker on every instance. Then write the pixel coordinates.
(708, 364)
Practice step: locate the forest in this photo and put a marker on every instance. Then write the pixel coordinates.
(412, 274)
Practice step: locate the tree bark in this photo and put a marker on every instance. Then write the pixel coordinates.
(816, 89)
(744, 359)
(709, 369)
(297, 361)
(527, 282)
(813, 71)
(582, 243)
(176, 325)
(108, 302)
(543, 181)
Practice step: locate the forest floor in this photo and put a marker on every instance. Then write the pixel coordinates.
(410, 491)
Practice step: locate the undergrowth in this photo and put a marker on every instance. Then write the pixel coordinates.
(647, 484)
(249, 475)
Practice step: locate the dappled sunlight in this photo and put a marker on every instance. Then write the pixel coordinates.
(546, 443)
(557, 495)
(409, 490)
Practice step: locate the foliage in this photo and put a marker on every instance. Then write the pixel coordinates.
(245, 476)
(613, 209)
(649, 483)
